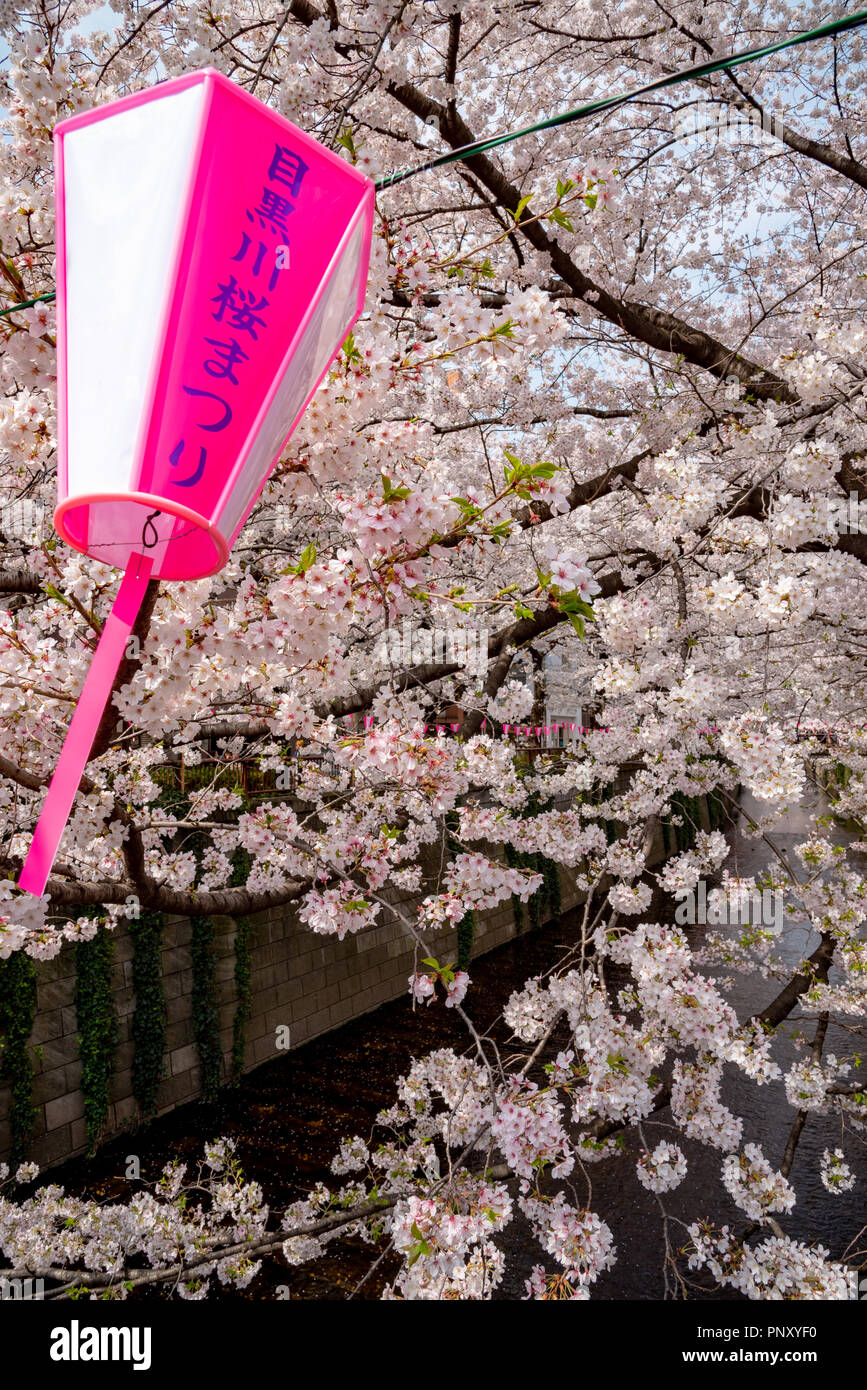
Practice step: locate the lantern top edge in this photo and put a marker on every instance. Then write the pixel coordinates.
(191, 79)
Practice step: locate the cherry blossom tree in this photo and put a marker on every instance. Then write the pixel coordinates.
(606, 403)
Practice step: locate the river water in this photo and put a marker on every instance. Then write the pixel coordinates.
(287, 1118)
(818, 1216)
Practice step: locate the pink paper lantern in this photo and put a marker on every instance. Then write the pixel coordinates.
(211, 258)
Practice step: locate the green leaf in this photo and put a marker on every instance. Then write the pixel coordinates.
(421, 1247)
(391, 493)
(469, 509)
(429, 961)
(348, 348)
(521, 471)
(561, 219)
(572, 603)
(308, 558)
(520, 208)
(345, 141)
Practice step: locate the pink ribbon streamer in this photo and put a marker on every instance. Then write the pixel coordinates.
(85, 722)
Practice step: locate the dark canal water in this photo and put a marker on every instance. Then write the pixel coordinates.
(288, 1116)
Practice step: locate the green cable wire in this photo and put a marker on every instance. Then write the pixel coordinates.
(835, 26)
(28, 303)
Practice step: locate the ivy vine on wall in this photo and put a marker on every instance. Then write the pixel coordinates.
(241, 863)
(96, 1017)
(17, 1012)
(466, 930)
(688, 809)
(149, 1018)
(551, 887)
(513, 859)
(243, 993)
(206, 1014)
(546, 902)
(716, 810)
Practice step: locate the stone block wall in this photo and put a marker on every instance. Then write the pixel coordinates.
(300, 981)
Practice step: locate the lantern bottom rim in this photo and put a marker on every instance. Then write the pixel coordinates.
(174, 560)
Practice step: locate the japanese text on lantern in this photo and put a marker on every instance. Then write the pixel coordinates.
(240, 305)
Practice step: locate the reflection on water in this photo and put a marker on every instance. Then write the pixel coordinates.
(818, 1216)
(288, 1116)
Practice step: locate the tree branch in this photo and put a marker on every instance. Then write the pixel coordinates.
(656, 327)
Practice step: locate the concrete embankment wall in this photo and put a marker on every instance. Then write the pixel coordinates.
(300, 982)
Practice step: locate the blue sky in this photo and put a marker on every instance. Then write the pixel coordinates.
(103, 18)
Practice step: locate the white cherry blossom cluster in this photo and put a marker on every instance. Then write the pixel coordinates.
(630, 898)
(726, 600)
(663, 1169)
(836, 1175)
(807, 1086)
(528, 1128)
(754, 1184)
(482, 882)
(51, 1229)
(766, 759)
(513, 701)
(698, 1109)
(777, 1269)
(578, 1240)
(336, 911)
(706, 856)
